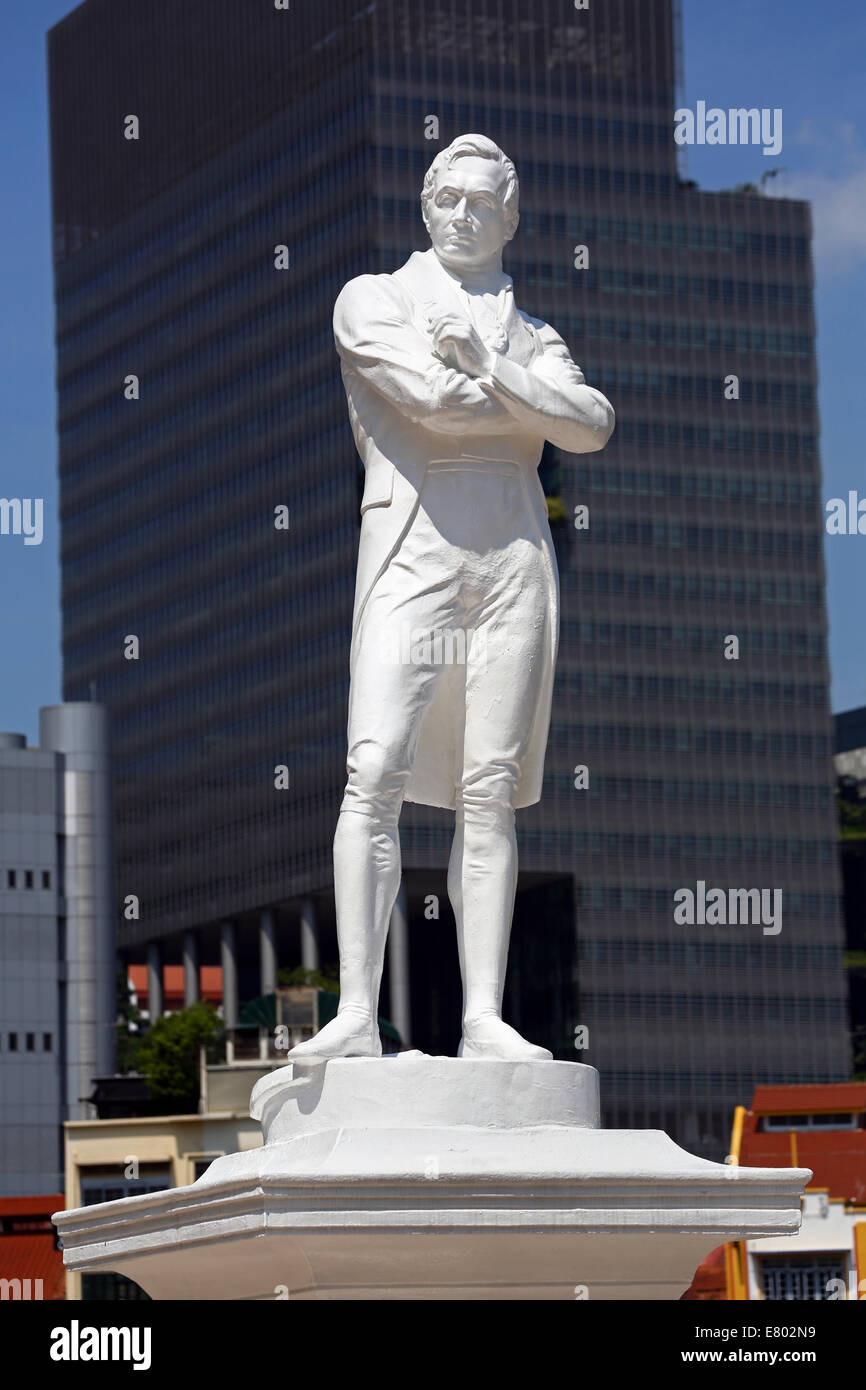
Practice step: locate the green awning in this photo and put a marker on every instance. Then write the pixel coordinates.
(261, 1012)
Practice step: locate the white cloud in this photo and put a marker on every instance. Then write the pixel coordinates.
(838, 211)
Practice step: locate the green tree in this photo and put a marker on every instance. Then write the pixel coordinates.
(130, 1025)
(556, 512)
(168, 1056)
(317, 979)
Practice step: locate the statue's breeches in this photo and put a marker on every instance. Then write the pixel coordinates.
(457, 630)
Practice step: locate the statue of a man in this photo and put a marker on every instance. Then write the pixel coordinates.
(452, 393)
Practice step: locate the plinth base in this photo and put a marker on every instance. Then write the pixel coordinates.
(435, 1178)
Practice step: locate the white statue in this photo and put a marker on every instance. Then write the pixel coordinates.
(452, 393)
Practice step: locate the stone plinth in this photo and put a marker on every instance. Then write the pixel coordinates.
(435, 1178)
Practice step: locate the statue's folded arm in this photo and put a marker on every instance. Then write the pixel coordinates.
(376, 339)
(551, 398)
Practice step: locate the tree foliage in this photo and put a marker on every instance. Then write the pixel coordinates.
(316, 979)
(168, 1056)
(130, 1025)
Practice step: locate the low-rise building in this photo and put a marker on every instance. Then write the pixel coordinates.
(817, 1127)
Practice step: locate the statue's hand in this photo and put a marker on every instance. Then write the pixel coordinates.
(457, 341)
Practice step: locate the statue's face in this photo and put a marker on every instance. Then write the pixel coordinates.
(465, 216)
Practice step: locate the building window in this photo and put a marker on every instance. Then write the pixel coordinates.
(13, 1042)
(202, 1163)
(10, 878)
(46, 1042)
(46, 878)
(31, 1042)
(109, 1185)
(802, 1278)
(775, 1123)
(114, 1288)
(28, 878)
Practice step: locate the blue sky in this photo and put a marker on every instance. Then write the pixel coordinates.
(791, 54)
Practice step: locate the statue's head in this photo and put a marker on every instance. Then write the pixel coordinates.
(469, 202)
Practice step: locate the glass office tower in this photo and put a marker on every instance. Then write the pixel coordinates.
(309, 130)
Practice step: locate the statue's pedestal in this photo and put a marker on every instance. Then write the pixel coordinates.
(435, 1178)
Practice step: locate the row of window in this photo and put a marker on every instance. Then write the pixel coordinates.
(743, 849)
(722, 540)
(616, 897)
(673, 434)
(663, 953)
(738, 1008)
(670, 386)
(677, 637)
(478, 116)
(801, 1279)
(436, 34)
(629, 845)
(674, 791)
(718, 487)
(745, 294)
(26, 878)
(736, 1084)
(628, 685)
(580, 230)
(30, 1042)
(686, 335)
(681, 738)
(704, 588)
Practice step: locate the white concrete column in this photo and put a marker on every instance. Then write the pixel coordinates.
(398, 967)
(309, 938)
(267, 953)
(191, 985)
(154, 981)
(229, 962)
(78, 734)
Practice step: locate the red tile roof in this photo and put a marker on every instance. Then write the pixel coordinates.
(31, 1254)
(32, 1206)
(792, 1100)
(33, 1257)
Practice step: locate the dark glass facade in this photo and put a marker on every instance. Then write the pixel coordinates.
(306, 128)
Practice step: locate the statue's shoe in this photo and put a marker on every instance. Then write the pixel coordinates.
(489, 1037)
(350, 1034)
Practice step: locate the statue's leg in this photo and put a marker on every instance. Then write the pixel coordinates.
(389, 697)
(366, 881)
(507, 606)
(482, 880)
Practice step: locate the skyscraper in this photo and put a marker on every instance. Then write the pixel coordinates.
(218, 175)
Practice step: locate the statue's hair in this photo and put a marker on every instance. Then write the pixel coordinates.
(481, 148)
